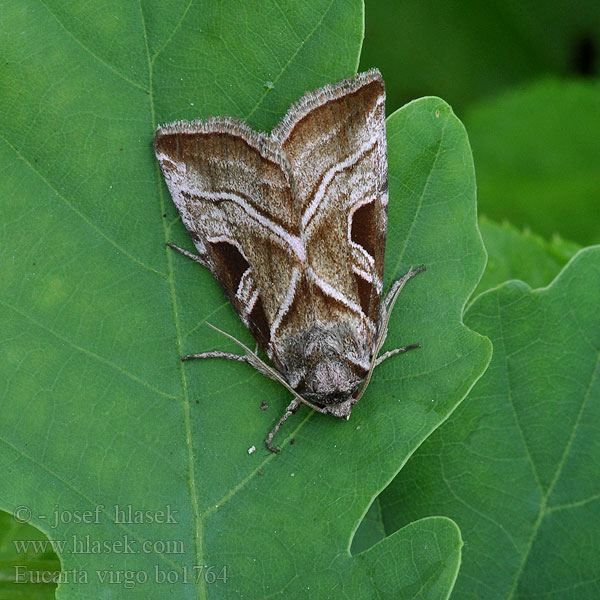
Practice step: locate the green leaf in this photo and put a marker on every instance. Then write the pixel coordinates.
(96, 312)
(371, 529)
(24, 549)
(537, 154)
(465, 51)
(514, 254)
(516, 466)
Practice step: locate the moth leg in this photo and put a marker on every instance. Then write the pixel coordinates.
(390, 353)
(217, 354)
(194, 257)
(382, 327)
(293, 406)
(389, 301)
(231, 356)
(399, 284)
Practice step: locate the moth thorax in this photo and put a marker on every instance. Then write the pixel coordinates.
(326, 364)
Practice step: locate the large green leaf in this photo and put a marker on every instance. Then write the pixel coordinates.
(537, 154)
(517, 464)
(465, 51)
(98, 410)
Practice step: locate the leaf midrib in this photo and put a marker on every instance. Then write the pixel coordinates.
(201, 591)
(81, 215)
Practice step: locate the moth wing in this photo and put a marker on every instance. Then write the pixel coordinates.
(232, 188)
(334, 140)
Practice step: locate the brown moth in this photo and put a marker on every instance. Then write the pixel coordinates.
(293, 225)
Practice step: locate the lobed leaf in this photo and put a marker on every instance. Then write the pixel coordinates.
(516, 465)
(100, 415)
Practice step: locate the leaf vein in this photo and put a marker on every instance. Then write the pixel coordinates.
(90, 51)
(81, 215)
(177, 26)
(421, 197)
(291, 59)
(88, 352)
(543, 504)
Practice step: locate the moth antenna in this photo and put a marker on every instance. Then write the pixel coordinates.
(397, 286)
(386, 312)
(269, 371)
(194, 257)
(293, 406)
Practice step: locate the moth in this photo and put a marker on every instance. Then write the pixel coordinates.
(292, 225)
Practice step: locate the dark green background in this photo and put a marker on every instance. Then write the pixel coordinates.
(523, 77)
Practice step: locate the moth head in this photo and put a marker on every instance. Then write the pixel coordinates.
(327, 364)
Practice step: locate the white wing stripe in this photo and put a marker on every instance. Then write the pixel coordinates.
(293, 241)
(331, 173)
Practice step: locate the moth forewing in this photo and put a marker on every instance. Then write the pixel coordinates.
(292, 225)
